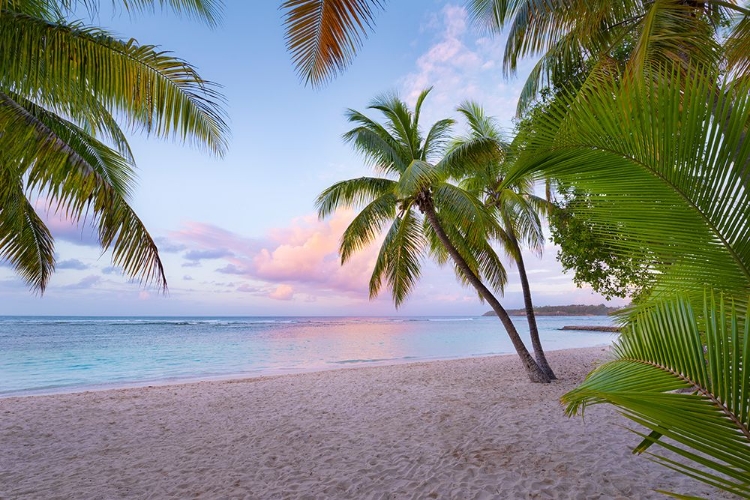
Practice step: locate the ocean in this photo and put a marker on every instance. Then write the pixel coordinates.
(44, 355)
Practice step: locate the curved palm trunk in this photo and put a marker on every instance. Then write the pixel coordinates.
(535, 373)
(536, 343)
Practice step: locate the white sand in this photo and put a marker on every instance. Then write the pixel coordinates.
(473, 428)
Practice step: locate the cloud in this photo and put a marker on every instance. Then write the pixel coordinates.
(71, 264)
(282, 292)
(111, 270)
(300, 258)
(232, 269)
(207, 254)
(460, 66)
(86, 283)
(167, 246)
(72, 232)
(187, 277)
(249, 289)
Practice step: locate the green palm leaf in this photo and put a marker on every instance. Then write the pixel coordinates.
(24, 239)
(664, 164)
(209, 11)
(353, 193)
(398, 262)
(663, 378)
(156, 92)
(77, 174)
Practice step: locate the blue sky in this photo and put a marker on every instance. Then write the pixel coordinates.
(239, 235)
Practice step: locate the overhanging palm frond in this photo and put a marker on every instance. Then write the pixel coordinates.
(209, 11)
(79, 174)
(324, 35)
(24, 239)
(676, 32)
(664, 378)
(155, 91)
(669, 162)
(116, 170)
(737, 46)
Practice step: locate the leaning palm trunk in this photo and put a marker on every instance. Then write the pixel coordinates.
(534, 372)
(536, 343)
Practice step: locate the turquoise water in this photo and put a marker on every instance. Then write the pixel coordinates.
(41, 355)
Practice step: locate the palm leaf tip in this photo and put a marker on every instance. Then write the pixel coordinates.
(324, 35)
(693, 399)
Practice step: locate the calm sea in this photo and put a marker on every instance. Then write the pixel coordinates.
(40, 355)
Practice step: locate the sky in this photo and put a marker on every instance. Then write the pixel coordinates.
(239, 235)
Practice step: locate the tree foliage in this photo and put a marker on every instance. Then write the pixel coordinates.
(588, 250)
(66, 92)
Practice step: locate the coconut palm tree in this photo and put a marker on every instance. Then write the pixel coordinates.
(426, 213)
(64, 90)
(672, 164)
(516, 208)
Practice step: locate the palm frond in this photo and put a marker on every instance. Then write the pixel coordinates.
(398, 261)
(79, 174)
(353, 193)
(153, 90)
(418, 176)
(324, 35)
(664, 378)
(675, 177)
(367, 225)
(436, 140)
(116, 170)
(737, 46)
(400, 121)
(376, 144)
(24, 239)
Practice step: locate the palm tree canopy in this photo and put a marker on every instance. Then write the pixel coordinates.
(416, 170)
(570, 36)
(517, 208)
(61, 86)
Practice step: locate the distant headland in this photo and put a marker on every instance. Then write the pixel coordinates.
(570, 310)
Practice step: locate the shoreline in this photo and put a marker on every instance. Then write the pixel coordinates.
(465, 428)
(261, 374)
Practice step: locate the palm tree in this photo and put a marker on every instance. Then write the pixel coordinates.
(426, 213)
(63, 88)
(516, 208)
(672, 164)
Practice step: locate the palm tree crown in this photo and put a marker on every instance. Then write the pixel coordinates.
(516, 208)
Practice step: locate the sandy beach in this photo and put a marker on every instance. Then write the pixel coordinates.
(470, 428)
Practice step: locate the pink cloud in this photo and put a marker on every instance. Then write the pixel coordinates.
(305, 255)
(282, 292)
